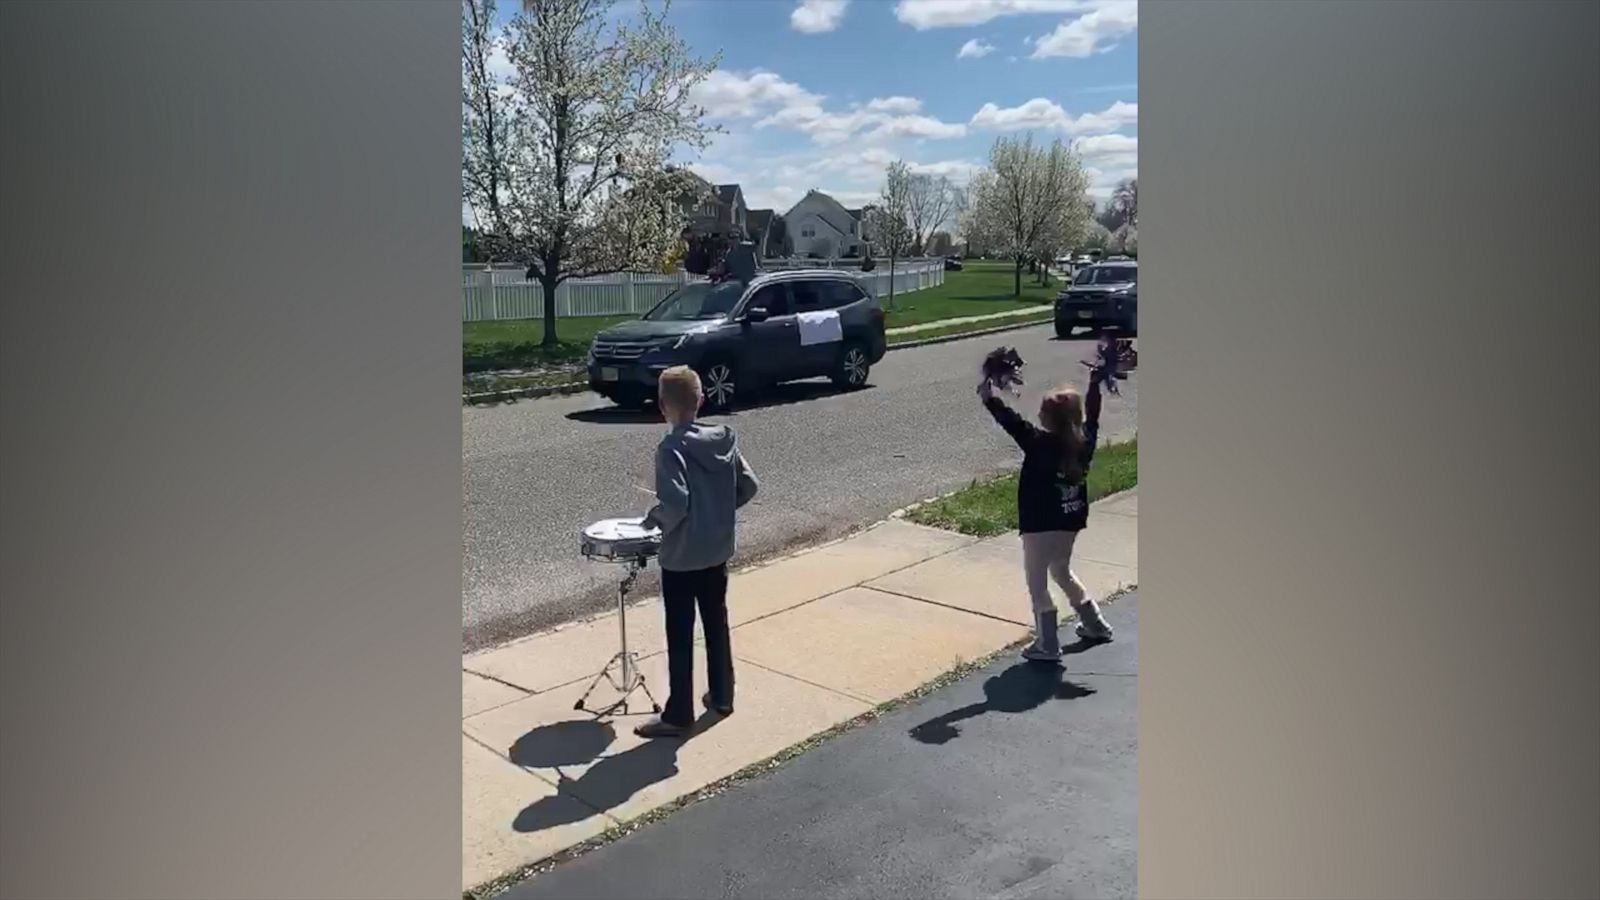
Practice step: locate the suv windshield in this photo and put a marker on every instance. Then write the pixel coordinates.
(701, 300)
(1107, 275)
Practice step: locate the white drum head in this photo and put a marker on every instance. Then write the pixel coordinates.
(619, 530)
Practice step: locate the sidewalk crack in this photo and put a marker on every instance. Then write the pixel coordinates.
(831, 690)
(947, 606)
(530, 772)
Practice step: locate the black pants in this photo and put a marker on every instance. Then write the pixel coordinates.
(680, 593)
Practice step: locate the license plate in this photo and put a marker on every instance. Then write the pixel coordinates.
(1085, 314)
(609, 374)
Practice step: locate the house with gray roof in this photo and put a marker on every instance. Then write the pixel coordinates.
(822, 228)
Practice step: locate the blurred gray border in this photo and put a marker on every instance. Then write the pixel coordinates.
(231, 450)
(1368, 662)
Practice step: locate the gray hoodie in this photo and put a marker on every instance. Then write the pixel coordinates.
(701, 478)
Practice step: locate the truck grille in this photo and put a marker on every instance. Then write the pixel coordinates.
(620, 349)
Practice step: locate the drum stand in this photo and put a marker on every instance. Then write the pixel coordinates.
(623, 669)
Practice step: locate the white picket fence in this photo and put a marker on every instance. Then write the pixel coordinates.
(500, 293)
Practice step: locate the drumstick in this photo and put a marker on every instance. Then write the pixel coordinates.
(645, 489)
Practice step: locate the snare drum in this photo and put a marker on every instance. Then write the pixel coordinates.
(619, 539)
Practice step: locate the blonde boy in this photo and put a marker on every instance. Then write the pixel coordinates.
(701, 479)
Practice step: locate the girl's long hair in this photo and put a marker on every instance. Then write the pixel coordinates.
(1061, 414)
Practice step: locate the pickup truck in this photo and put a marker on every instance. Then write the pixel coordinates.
(1102, 297)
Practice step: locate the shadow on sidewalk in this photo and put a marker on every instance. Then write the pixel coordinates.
(605, 785)
(1023, 687)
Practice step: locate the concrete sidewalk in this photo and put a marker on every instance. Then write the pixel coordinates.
(1014, 781)
(819, 638)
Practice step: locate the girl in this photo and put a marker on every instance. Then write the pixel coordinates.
(1053, 504)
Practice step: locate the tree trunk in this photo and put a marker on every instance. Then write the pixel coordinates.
(549, 284)
(1016, 290)
(891, 279)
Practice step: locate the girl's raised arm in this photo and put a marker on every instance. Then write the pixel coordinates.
(1021, 430)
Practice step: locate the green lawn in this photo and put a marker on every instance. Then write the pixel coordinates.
(988, 508)
(982, 287)
(1044, 315)
(515, 344)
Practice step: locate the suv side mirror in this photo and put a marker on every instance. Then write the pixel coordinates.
(756, 314)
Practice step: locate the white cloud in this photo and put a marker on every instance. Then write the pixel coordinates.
(923, 127)
(894, 104)
(975, 49)
(1114, 150)
(1115, 117)
(731, 94)
(1093, 31)
(957, 170)
(498, 64)
(775, 102)
(1103, 181)
(1044, 115)
(817, 16)
(925, 14)
(780, 198)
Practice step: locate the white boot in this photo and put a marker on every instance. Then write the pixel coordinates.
(1046, 645)
(1092, 626)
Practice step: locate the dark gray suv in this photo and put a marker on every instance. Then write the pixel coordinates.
(1102, 296)
(741, 336)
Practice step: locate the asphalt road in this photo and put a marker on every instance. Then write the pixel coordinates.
(536, 472)
(1016, 781)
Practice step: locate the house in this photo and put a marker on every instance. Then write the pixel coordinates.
(823, 229)
(715, 218)
(733, 217)
(765, 230)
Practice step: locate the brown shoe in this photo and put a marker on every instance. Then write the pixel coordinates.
(656, 728)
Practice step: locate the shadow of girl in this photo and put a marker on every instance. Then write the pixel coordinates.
(1020, 688)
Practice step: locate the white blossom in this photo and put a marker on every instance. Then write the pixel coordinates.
(573, 179)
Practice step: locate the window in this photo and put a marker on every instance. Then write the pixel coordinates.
(809, 295)
(838, 292)
(700, 300)
(1107, 275)
(774, 298)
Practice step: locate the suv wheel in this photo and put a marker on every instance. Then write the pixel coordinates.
(719, 384)
(1063, 329)
(852, 368)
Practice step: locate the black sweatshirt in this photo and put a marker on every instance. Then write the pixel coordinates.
(1046, 500)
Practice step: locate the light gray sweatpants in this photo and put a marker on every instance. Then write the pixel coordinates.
(1046, 555)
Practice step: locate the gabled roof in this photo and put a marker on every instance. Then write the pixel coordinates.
(759, 220)
(728, 193)
(829, 210)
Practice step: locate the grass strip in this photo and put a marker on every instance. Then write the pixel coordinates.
(988, 508)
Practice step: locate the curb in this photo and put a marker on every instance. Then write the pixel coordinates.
(578, 387)
(575, 387)
(906, 510)
(946, 338)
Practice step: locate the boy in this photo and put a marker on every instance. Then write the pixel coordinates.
(701, 478)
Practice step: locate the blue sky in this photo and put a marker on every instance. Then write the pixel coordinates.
(824, 93)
